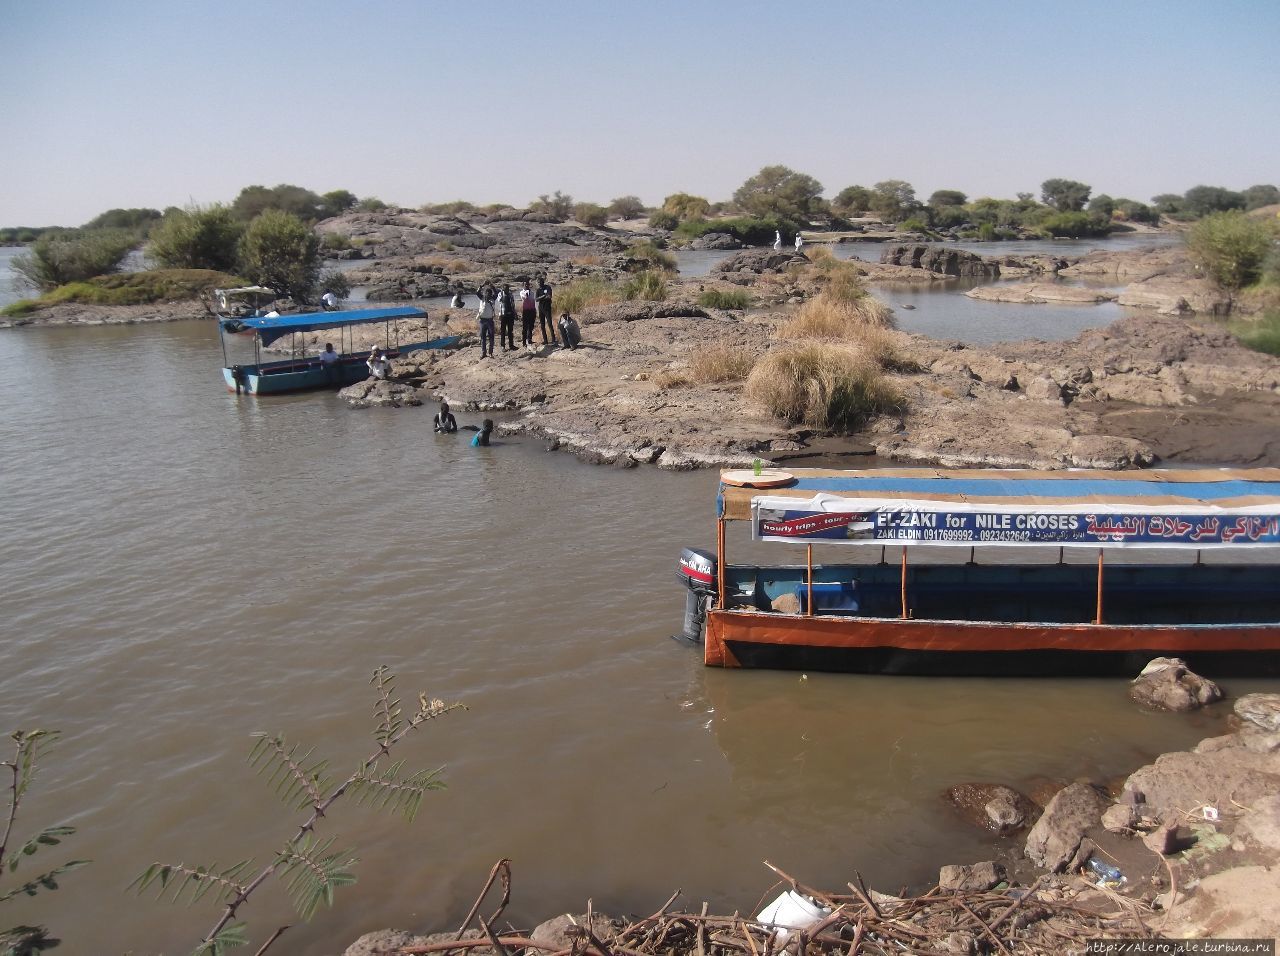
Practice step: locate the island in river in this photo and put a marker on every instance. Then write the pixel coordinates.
(1167, 383)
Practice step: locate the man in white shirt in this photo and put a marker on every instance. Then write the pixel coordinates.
(329, 301)
(379, 364)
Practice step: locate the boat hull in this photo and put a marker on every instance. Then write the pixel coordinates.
(737, 638)
(274, 378)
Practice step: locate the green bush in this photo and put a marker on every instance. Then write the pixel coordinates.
(686, 206)
(650, 285)
(197, 238)
(131, 288)
(663, 220)
(649, 256)
(627, 207)
(581, 294)
(281, 252)
(725, 299)
(1075, 225)
(72, 257)
(591, 214)
(557, 205)
(1231, 247)
(1262, 335)
(913, 224)
(335, 282)
(335, 242)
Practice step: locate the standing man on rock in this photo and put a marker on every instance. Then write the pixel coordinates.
(508, 313)
(485, 315)
(544, 311)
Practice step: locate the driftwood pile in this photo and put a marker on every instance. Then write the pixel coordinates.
(1047, 917)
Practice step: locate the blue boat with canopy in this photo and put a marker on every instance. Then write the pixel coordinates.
(303, 369)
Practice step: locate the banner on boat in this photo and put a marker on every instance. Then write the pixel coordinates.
(885, 522)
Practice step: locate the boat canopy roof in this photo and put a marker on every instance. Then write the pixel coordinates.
(1192, 509)
(274, 327)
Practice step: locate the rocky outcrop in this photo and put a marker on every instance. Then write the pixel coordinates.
(1054, 840)
(759, 262)
(940, 259)
(992, 806)
(1221, 772)
(1032, 293)
(716, 240)
(1168, 684)
(1176, 295)
(639, 311)
(375, 392)
(1260, 711)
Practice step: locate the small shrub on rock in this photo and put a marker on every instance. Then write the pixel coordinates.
(725, 299)
(581, 294)
(1231, 247)
(60, 258)
(591, 214)
(650, 285)
(821, 385)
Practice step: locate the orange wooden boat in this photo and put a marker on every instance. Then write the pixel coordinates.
(994, 572)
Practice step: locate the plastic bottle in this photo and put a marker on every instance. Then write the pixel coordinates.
(756, 465)
(1105, 871)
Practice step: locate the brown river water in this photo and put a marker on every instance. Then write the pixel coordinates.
(182, 568)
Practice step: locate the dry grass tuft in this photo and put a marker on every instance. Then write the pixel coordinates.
(670, 378)
(587, 259)
(720, 363)
(821, 385)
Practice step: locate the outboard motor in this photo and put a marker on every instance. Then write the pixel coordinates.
(698, 572)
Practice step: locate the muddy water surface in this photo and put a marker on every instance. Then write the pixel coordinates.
(182, 568)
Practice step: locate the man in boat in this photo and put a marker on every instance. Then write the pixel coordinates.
(329, 359)
(444, 421)
(379, 364)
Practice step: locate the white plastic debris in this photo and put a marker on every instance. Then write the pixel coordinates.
(791, 911)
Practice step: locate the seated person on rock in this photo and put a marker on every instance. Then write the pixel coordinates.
(570, 334)
(379, 364)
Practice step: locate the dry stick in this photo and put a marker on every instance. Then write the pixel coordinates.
(702, 932)
(866, 900)
(857, 938)
(274, 936)
(492, 937)
(985, 928)
(591, 933)
(662, 910)
(1018, 902)
(800, 887)
(503, 866)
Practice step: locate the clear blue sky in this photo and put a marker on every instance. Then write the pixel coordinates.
(166, 102)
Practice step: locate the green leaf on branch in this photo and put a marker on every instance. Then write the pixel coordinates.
(311, 873)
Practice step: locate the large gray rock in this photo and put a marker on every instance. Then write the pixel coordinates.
(716, 240)
(1054, 839)
(759, 262)
(992, 806)
(971, 879)
(561, 931)
(941, 259)
(1262, 824)
(1168, 684)
(1261, 711)
(1182, 781)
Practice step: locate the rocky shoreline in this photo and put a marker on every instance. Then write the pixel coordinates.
(1183, 847)
(1167, 384)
